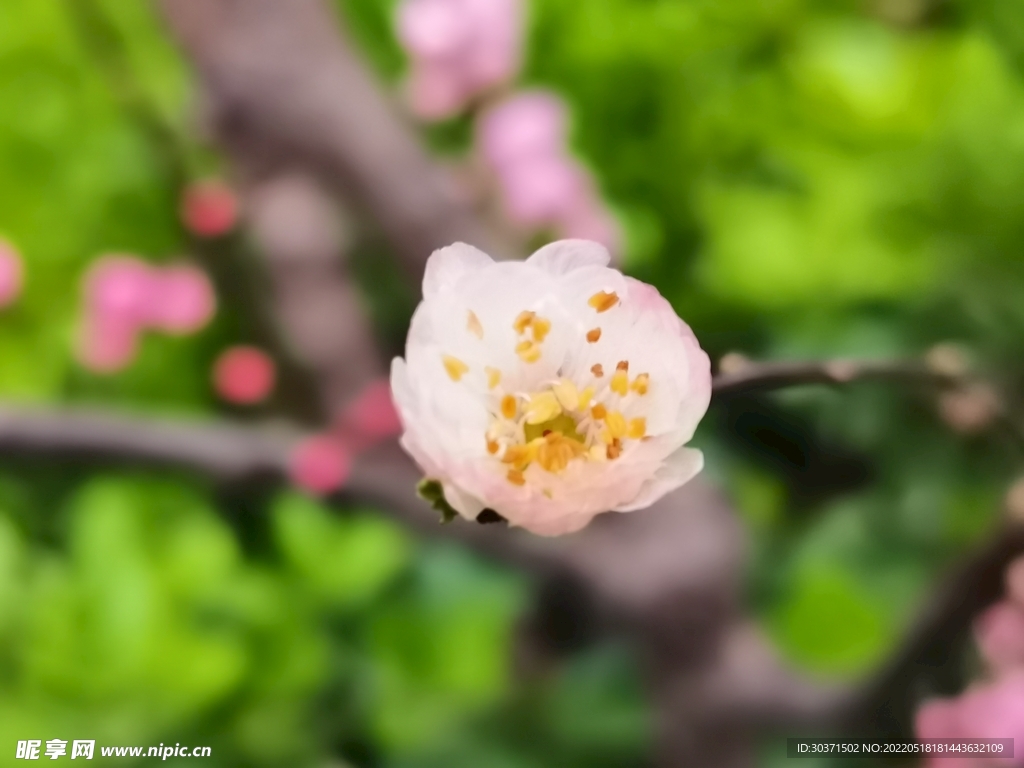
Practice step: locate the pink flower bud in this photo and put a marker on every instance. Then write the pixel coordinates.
(11, 273)
(542, 191)
(209, 208)
(320, 464)
(181, 300)
(432, 29)
(244, 375)
(119, 287)
(528, 125)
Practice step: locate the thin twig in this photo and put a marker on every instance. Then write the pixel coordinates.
(761, 377)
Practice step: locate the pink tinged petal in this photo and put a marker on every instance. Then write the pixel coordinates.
(372, 414)
(209, 208)
(182, 300)
(107, 343)
(320, 464)
(432, 29)
(447, 266)
(12, 273)
(119, 287)
(526, 126)
(244, 375)
(556, 526)
(564, 256)
(938, 719)
(464, 503)
(679, 468)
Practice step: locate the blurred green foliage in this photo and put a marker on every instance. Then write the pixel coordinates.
(801, 178)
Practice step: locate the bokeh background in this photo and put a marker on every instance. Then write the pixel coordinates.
(802, 179)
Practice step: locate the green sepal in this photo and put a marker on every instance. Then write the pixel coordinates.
(432, 492)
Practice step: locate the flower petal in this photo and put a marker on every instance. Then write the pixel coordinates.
(565, 256)
(679, 468)
(447, 265)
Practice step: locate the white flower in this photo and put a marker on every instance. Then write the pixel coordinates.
(549, 390)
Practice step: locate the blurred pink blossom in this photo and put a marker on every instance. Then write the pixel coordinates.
(320, 464)
(371, 415)
(244, 375)
(209, 208)
(990, 711)
(524, 141)
(532, 124)
(458, 49)
(12, 273)
(124, 295)
(999, 632)
(106, 342)
(181, 300)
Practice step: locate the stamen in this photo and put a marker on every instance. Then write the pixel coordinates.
(555, 455)
(515, 477)
(492, 447)
(567, 394)
(594, 335)
(473, 325)
(615, 449)
(508, 406)
(528, 351)
(585, 397)
(620, 381)
(640, 384)
(523, 321)
(597, 369)
(602, 301)
(637, 428)
(542, 407)
(518, 456)
(541, 328)
(622, 365)
(493, 377)
(598, 452)
(598, 412)
(455, 367)
(616, 424)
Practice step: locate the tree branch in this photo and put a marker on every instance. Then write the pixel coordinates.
(759, 377)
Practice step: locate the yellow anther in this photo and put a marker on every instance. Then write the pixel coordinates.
(518, 456)
(473, 325)
(541, 328)
(508, 406)
(640, 384)
(606, 437)
(492, 447)
(597, 369)
(637, 428)
(542, 407)
(528, 351)
(515, 477)
(615, 449)
(598, 412)
(493, 377)
(455, 367)
(523, 321)
(585, 397)
(622, 365)
(567, 394)
(598, 452)
(616, 424)
(556, 451)
(620, 382)
(602, 301)
(594, 335)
